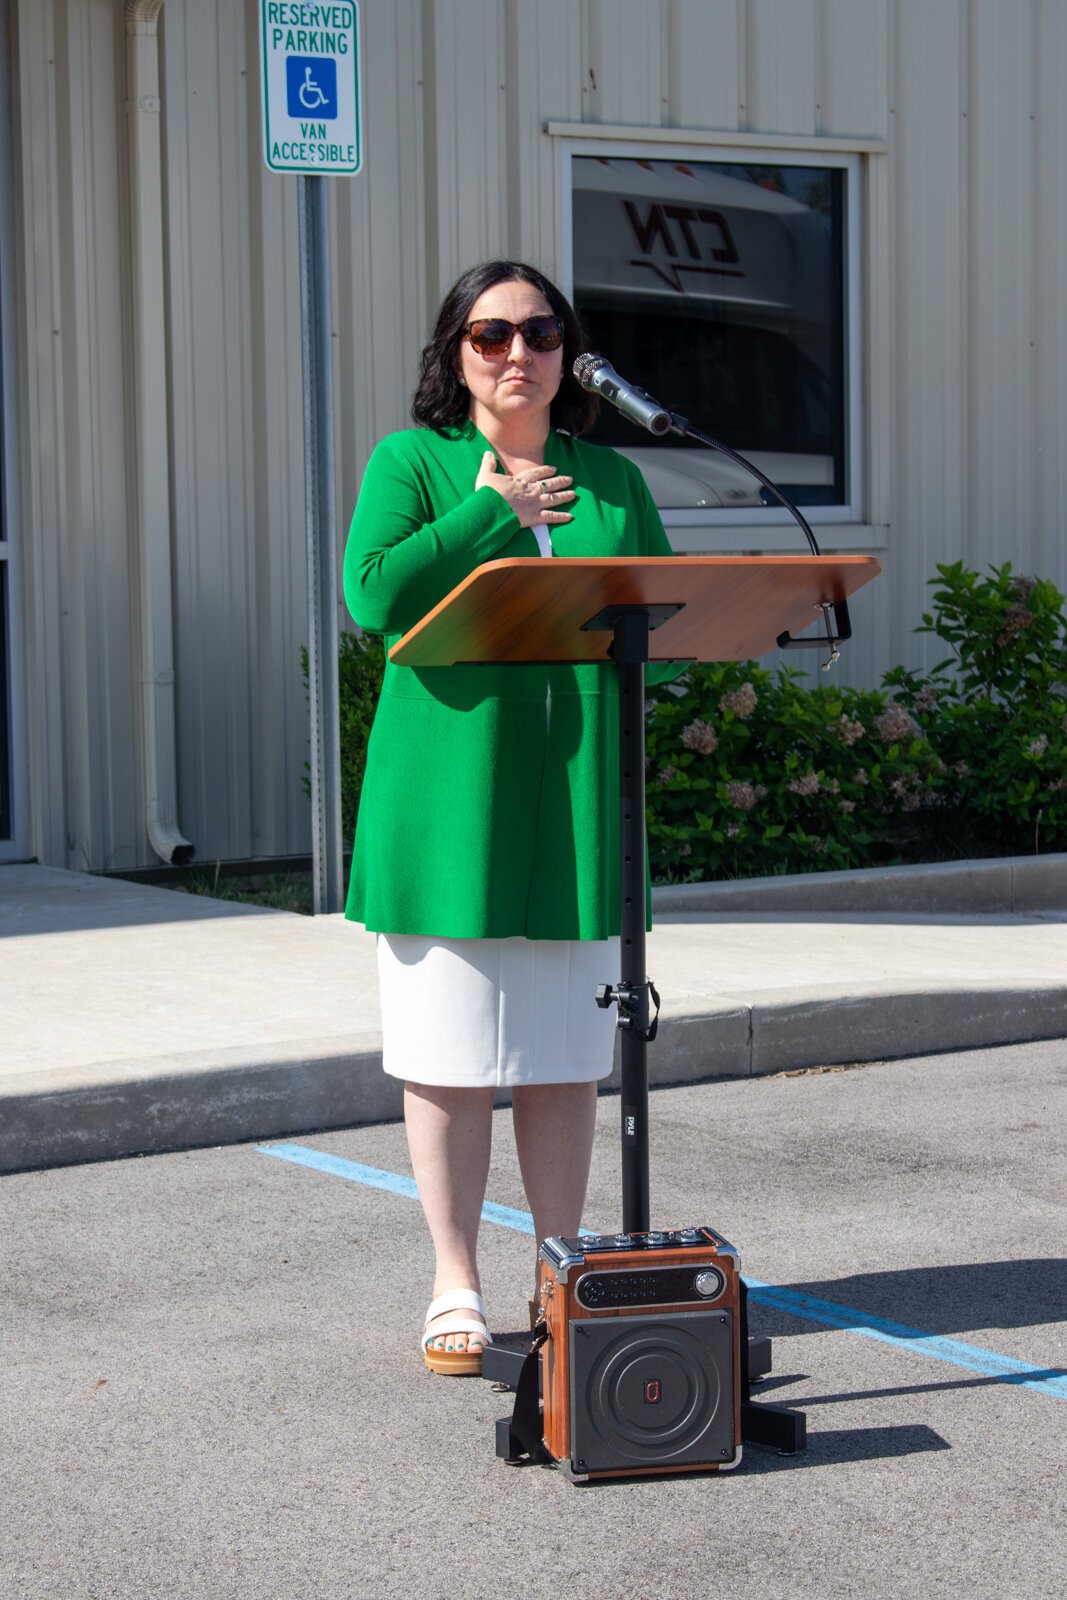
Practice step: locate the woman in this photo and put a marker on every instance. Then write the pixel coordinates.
(486, 847)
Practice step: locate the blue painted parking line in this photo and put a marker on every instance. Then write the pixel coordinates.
(355, 1171)
(1045, 1380)
(1049, 1381)
(395, 1182)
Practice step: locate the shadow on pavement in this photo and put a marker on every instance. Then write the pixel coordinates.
(833, 1448)
(763, 1391)
(839, 1445)
(949, 1300)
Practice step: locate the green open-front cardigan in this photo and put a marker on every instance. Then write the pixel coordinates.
(476, 820)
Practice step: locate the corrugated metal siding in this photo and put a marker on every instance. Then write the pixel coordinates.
(928, 506)
(1047, 551)
(965, 347)
(705, 62)
(541, 83)
(1000, 162)
(81, 674)
(780, 43)
(222, 543)
(852, 68)
(40, 441)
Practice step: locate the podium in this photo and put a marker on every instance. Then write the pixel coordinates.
(628, 612)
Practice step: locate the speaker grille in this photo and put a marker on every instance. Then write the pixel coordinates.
(652, 1391)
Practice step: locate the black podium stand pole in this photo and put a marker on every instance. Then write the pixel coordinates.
(630, 650)
(630, 627)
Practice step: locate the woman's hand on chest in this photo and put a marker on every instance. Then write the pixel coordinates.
(534, 493)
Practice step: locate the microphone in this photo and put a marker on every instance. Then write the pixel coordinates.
(596, 373)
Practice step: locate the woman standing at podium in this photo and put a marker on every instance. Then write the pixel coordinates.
(486, 847)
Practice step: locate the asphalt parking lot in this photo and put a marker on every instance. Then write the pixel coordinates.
(211, 1385)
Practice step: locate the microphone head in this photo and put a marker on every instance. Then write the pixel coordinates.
(596, 373)
(585, 365)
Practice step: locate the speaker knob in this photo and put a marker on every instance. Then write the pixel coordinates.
(709, 1283)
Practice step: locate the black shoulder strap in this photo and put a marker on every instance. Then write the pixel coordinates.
(527, 1428)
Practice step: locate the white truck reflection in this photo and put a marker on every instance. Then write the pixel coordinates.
(721, 295)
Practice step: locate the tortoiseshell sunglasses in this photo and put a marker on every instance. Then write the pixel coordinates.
(492, 336)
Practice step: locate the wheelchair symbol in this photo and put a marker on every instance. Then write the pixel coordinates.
(311, 96)
(311, 87)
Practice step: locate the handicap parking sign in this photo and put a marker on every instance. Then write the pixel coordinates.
(311, 87)
(310, 82)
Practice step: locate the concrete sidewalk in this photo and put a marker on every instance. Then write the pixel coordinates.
(135, 1019)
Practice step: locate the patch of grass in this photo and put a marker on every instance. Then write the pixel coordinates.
(281, 891)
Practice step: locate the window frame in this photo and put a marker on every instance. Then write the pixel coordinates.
(692, 527)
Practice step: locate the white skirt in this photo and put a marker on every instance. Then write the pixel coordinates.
(495, 1013)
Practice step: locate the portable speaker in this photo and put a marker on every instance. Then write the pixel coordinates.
(641, 1363)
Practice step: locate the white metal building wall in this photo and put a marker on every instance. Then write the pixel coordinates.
(965, 339)
(79, 674)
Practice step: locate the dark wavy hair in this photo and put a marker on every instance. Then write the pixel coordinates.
(441, 401)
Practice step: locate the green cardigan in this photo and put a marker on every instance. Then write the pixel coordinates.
(476, 819)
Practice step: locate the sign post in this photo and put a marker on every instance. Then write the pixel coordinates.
(311, 127)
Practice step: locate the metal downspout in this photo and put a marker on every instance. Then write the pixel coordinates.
(152, 507)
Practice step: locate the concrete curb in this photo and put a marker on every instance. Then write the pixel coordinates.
(188, 1103)
(1011, 886)
(182, 1104)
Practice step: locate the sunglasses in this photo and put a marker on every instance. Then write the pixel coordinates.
(492, 336)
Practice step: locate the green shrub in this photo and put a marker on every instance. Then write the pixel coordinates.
(996, 708)
(360, 666)
(753, 774)
(750, 774)
(361, 663)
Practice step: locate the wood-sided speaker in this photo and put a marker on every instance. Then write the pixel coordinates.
(641, 1366)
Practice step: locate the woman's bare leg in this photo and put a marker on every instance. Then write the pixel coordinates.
(554, 1127)
(449, 1136)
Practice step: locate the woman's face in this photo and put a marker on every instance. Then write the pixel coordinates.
(521, 383)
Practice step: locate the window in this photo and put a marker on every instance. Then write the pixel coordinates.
(723, 287)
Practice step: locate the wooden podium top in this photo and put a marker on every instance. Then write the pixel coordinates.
(532, 609)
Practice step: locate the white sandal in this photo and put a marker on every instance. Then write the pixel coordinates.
(458, 1363)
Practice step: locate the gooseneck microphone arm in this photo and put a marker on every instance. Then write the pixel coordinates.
(683, 426)
(595, 373)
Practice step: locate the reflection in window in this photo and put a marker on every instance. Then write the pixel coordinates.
(719, 288)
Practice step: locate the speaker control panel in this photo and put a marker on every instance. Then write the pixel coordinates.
(657, 1286)
(674, 1239)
